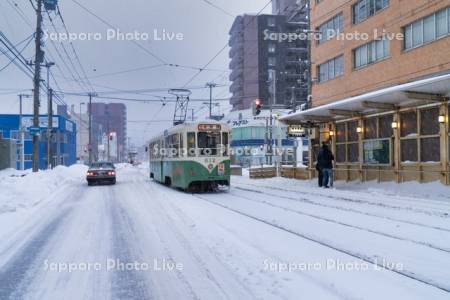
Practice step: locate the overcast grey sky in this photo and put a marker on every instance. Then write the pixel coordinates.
(204, 28)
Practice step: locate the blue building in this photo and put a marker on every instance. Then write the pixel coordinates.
(249, 140)
(63, 139)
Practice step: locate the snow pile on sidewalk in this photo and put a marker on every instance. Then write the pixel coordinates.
(23, 189)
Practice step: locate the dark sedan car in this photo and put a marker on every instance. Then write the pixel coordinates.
(101, 172)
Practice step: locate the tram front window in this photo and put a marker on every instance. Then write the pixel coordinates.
(208, 143)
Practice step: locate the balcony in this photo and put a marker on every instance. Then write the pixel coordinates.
(297, 50)
(237, 38)
(236, 73)
(236, 87)
(236, 61)
(236, 49)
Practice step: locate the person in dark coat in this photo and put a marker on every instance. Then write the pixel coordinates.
(320, 174)
(325, 160)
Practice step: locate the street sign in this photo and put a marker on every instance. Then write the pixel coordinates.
(34, 130)
(296, 130)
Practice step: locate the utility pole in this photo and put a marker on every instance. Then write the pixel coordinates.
(108, 134)
(22, 132)
(37, 81)
(210, 85)
(90, 127)
(50, 164)
(272, 102)
(80, 131)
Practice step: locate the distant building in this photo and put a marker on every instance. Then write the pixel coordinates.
(82, 121)
(63, 145)
(250, 139)
(285, 7)
(265, 67)
(109, 118)
(8, 153)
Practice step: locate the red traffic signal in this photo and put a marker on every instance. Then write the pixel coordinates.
(257, 107)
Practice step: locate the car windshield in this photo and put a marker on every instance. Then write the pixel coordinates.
(102, 165)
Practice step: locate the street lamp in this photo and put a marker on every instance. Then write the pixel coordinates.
(48, 65)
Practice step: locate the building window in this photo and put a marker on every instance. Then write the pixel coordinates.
(423, 138)
(430, 135)
(331, 69)
(427, 29)
(385, 126)
(371, 53)
(331, 28)
(272, 61)
(409, 150)
(272, 48)
(370, 128)
(378, 140)
(347, 142)
(408, 124)
(364, 9)
(340, 143)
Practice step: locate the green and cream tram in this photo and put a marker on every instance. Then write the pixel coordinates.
(192, 157)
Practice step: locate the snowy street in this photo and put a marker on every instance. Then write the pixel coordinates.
(262, 239)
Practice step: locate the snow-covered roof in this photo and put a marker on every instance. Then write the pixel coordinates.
(399, 96)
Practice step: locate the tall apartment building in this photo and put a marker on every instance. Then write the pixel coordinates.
(381, 72)
(285, 7)
(264, 67)
(109, 118)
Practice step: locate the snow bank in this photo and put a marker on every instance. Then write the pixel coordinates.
(24, 189)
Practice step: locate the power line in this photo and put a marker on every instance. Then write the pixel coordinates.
(223, 48)
(127, 71)
(163, 61)
(20, 12)
(77, 58)
(30, 39)
(111, 26)
(86, 86)
(218, 8)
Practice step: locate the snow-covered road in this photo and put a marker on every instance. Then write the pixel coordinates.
(269, 239)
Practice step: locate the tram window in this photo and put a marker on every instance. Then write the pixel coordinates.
(174, 145)
(225, 143)
(191, 144)
(208, 142)
(181, 146)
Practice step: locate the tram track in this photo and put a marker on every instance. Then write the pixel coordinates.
(433, 213)
(315, 203)
(328, 220)
(367, 259)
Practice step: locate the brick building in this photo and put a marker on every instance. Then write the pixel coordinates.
(381, 73)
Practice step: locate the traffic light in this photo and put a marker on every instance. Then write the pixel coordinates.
(111, 136)
(257, 106)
